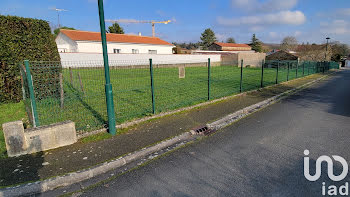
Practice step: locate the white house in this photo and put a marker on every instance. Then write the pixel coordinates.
(90, 42)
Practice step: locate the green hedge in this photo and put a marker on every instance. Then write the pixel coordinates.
(22, 39)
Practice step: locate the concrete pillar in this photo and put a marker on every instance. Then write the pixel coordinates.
(16, 143)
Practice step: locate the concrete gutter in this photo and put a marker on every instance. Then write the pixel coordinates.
(74, 177)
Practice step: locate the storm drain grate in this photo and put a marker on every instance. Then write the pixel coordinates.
(204, 130)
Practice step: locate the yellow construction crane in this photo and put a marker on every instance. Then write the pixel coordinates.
(136, 21)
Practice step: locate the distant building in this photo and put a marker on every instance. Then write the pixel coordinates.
(281, 55)
(75, 41)
(347, 61)
(220, 46)
(272, 51)
(232, 54)
(179, 50)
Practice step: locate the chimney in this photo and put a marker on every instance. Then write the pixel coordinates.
(139, 33)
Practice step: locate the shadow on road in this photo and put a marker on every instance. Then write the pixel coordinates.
(324, 95)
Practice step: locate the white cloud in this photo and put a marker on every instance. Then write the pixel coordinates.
(266, 6)
(279, 18)
(256, 28)
(221, 37)
(273, 34)
(297, 33)
(343, 12)
(336, 27)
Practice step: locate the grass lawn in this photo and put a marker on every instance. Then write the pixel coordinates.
(10, 112)
(84, 103)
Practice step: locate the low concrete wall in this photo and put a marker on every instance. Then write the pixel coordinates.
(19, 141)
(230, 59)
(96, 59)
(251, 59)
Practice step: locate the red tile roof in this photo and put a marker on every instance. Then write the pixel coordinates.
(231, 44)
(123, 38)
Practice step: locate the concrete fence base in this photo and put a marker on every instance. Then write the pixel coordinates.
(20, 141)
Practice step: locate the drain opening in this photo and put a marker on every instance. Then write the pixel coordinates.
(204, 130)
(200, 129)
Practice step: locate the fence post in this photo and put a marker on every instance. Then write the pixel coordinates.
(152, 85)
(71, 76)
(61, 90)
(241, 81)
(288, 72)
(21, 69)
(296, 72)
(108, 86)
(81, 84)
(323, 66)
(328, 65)
(262, 74)
(303, 68)
(314, 65)
(278, 64)
(32, 95)
(308, 68)
(208, 79)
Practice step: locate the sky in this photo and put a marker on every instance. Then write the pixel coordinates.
(271, 20)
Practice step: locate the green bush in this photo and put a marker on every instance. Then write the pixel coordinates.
(22, 39)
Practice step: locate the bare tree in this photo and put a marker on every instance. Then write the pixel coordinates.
(313, 52)
(339, 51)
(289, 43)
(230, 40)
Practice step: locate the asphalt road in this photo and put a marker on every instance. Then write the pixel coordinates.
(261, 155)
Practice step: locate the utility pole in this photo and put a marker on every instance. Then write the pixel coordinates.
(108, 87)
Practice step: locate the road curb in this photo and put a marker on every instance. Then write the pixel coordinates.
(78, 176)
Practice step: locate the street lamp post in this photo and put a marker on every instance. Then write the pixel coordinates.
(325, 56)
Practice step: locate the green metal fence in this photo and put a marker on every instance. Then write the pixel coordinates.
(59, 91)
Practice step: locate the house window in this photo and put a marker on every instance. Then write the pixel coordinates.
(62, 50)
(135, 51)
(117, 50)
(152, 51)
